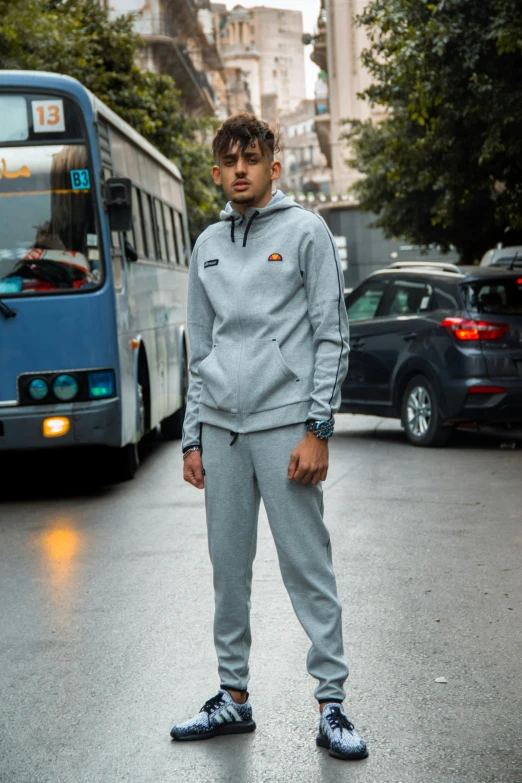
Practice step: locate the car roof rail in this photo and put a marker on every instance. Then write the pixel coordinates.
(441, 265)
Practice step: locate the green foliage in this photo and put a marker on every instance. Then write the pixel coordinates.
(445, 165)
(78, 38)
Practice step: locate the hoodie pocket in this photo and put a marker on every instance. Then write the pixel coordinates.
(219, 373)
(266, 380)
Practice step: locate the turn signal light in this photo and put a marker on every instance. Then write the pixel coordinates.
(465, 329)
(56, 426)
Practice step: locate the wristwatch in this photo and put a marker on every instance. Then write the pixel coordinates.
(323, 429)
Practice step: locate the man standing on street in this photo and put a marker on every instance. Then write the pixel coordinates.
(269, 350)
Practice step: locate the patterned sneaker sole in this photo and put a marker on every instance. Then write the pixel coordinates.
(244, 727)
(323, 742)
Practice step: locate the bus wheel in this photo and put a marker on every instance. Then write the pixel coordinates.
(124, 462)
(172, 426)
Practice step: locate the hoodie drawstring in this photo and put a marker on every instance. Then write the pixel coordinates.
(247, 229)
(235, 434)
(232, 227)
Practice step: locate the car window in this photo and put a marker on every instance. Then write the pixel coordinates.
(409, 297)
(364, 303)
(500, 297)
(445, 299)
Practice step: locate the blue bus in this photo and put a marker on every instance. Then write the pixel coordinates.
(94, 253)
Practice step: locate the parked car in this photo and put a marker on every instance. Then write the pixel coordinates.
(508, 257)
(436, 345)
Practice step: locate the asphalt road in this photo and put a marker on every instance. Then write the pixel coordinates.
(106, 615)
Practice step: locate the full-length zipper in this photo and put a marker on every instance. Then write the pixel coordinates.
(241, 346)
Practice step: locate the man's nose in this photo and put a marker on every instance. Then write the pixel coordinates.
(240, 167)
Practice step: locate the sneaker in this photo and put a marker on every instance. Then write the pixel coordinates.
(219, 715)
(338, 734)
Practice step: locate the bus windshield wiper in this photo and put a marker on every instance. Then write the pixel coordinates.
(6, 311)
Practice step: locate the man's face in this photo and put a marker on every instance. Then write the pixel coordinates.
(246, 176)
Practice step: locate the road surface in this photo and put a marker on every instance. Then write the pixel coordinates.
(106, 621)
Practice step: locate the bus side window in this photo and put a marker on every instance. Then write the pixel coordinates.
(162, 245)
(179, 236)
(169, 230)
(137, 222)
(149, 226)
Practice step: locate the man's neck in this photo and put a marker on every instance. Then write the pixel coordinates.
(262, 202)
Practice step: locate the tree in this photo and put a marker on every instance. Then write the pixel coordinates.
(445, 165)
(80, 39)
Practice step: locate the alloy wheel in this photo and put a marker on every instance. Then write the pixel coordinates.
(419, 411)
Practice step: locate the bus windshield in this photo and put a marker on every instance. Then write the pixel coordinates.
(48, 239)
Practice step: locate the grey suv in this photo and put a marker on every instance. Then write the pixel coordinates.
(436, 345)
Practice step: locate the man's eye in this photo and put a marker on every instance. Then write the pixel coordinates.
(229, 163)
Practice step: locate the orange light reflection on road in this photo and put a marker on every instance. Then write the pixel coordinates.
(60, 545)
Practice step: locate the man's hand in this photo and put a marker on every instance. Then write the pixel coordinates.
(309, 460)
(193, 469)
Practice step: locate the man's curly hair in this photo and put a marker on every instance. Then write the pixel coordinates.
(244, 129)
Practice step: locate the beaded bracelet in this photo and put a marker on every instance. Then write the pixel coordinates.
(190, 450)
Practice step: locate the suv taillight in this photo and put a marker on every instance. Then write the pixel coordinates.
(464, 329)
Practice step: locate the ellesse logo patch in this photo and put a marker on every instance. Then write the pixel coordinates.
(275, 257)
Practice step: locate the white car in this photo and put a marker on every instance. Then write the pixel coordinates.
(503, 256)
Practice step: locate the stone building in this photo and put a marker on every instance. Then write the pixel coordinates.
(304, 165)
(181, 41)
(265, 43)
(338, 44)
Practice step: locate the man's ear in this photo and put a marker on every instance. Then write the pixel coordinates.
(275, 170)
(216, 175)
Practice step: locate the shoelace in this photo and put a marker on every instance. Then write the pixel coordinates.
(338, 720)
(212, 704)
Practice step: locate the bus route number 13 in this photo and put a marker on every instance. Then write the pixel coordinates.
(48, 116)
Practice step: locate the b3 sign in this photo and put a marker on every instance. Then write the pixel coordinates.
(48, 116)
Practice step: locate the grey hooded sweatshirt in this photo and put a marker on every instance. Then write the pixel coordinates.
(267, 325)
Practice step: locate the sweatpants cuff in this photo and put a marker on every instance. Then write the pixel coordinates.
(330, 701)
(233, 688)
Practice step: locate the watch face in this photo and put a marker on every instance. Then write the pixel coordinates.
(323, 429)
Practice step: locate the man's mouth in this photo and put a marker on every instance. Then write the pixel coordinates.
(241, 185)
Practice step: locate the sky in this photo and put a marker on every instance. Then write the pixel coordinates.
(310, 10)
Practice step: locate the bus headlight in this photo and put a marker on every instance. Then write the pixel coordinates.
(38, 389)
(101, 384)
(65, 387)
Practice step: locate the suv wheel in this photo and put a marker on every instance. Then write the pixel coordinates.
(421, 414)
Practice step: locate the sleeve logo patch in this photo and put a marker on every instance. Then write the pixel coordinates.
(275, 257)
(212, 262)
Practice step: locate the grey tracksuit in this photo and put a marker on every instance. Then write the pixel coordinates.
(268, 334)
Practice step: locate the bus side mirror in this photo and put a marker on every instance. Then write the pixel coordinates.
(118, 200)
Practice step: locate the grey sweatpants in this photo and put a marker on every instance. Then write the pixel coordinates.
(236, 478)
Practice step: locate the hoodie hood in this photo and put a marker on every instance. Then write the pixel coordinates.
(278, 202)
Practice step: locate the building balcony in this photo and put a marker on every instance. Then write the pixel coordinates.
(323, 130)
(171, 57)
(233, 50)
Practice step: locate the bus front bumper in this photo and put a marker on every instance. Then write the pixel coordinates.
(93, 423)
